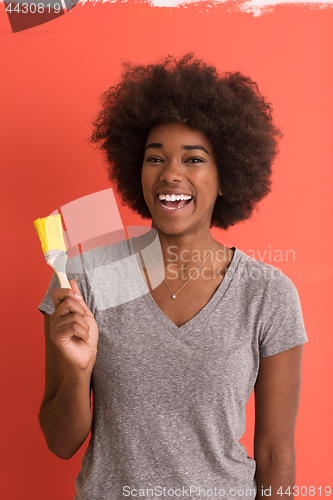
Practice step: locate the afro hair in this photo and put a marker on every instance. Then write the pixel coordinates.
(228, 109)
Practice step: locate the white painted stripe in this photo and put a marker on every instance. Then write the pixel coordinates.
(256, 7)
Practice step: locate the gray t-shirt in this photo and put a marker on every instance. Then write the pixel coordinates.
(169, 402)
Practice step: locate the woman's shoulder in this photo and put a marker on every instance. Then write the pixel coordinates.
(263, 275)
(274, 296)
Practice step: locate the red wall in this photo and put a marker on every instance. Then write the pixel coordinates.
(52, 77)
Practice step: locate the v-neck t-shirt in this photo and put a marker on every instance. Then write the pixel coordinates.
(168, 401)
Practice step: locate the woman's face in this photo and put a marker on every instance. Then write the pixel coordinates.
(179, 160)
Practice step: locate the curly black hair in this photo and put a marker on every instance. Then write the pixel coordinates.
(228, 109)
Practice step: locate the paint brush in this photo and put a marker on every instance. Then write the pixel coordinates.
(50, 233)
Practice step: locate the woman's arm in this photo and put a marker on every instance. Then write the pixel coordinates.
(277, 392)
(70, 351)
(65, 414)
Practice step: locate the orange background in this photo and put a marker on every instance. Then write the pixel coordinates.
(52, 77)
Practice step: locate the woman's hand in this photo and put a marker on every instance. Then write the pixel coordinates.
(73, 328)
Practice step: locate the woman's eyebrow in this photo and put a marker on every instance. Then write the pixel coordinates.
(196, 147)
(160, 145)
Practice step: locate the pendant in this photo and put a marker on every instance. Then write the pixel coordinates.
(173, 296)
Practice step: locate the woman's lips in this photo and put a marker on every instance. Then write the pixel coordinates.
(172, 210)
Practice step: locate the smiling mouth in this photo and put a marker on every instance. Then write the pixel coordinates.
(174, 205)
(170, 203)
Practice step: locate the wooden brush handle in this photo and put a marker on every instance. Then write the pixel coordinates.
(58, 264)
(64, 283)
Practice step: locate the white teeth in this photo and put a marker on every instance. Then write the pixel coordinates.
(174, 197)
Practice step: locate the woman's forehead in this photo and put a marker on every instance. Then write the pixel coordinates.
(175, 132)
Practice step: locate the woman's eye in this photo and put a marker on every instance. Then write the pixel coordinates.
(195, 160)
(154, 160)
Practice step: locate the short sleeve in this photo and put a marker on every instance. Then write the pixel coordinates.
(282, 326)
(75, 269)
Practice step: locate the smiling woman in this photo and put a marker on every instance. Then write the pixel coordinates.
(188, 149)
(174, 167)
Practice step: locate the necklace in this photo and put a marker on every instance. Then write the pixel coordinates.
(173, 295)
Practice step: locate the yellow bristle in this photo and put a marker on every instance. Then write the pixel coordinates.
(50, 233)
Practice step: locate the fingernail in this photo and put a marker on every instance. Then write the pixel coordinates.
(77, 296)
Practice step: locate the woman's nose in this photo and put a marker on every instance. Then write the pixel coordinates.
(172, 170)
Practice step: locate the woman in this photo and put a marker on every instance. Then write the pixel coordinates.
(172, 330)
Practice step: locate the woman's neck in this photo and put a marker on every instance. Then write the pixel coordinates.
(187, 251)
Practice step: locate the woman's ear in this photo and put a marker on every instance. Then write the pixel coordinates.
(220, 192)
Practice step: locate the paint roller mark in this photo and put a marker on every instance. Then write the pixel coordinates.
(256, 7)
